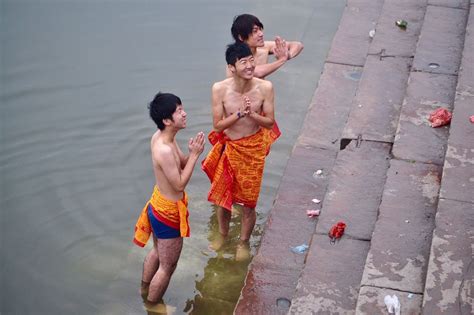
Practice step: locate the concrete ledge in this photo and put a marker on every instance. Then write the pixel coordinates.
(371, 301)
(441, 40)
(351, 42)
(400, 245)
(376, 107)
(275, 270)
(392, 40)
(450, 277)
(463, 4)
(326, 286)
(355, 189)
(328, 110)
(416, 139)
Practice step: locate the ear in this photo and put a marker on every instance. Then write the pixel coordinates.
(167, 122)
(240, 38)
(231, 68)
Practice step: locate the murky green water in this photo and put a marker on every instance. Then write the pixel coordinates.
(76, 76)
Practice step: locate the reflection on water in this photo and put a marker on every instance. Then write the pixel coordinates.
(74, 138)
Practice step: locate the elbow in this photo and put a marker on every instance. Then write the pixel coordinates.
(258, 74)
(218, 129)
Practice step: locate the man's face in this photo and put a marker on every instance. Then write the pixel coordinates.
(179, 117)
(255, 38)
(245, 67)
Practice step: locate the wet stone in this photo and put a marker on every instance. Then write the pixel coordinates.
(376, 107)
(329, 110)
(450, 276)
(358, 172)
(351, 42)
(400, 245)
(275, 268)
(415, 138)
(264, 287)
(371, 301)
(441, 40)
(326, 286)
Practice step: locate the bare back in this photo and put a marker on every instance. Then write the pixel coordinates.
(165, 155)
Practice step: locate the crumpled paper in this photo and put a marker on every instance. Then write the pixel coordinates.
(393, 304)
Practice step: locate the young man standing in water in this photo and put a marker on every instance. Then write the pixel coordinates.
(243, 121)
(247, 28)
(165, 215)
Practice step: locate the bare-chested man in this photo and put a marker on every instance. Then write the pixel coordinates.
(243, 118)
(166, 215)
(247, 28)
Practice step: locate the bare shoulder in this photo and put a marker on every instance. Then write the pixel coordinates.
(221, 86)
(268, 45)
(263, 84)
(160, 150)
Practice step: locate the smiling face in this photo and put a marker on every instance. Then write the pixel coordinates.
(244, 67)
(255, 38)
(178, 120)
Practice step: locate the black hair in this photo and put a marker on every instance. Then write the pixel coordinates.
(243, 25)
(236, 51)
(162, 107)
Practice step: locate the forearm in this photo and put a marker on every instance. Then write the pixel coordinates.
(187, 171)
(225, 123)
(262, 71)
(294, 49)
(263, 121)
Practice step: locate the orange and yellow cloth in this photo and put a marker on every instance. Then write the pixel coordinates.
(235, 167)
(172, 213)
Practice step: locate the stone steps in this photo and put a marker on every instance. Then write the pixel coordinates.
(400, 248)
(382, 163)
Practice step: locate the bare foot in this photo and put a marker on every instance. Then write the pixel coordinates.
(242, 252)
(159, 308)
(217, 242)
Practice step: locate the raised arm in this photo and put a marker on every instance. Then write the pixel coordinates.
(267, 118)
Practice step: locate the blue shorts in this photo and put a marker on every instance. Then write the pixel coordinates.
(161, 230)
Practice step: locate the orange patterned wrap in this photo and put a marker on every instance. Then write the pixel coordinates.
(235, 167)
(171, 213)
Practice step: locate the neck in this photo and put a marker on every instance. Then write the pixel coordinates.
(168, 135)
(253, 50)
(242, 85)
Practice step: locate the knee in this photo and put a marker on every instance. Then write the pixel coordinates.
(168, 268)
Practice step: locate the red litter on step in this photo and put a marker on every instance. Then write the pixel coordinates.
(440, 117)
(336, 231)
(471, 119)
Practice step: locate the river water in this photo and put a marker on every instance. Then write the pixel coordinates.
(76, 77)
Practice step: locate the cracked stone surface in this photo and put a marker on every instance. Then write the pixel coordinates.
(376, 107)
(450, 277)
(355, 189)
(400, 246)
(371, 301)
(416, 139)
(325, 286)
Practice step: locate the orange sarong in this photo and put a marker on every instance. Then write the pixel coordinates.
(172, 213)
(235, 167)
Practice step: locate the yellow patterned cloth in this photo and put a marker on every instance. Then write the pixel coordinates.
(235, 167)
(172, 213)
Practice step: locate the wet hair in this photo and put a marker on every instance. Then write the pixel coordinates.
(236, 51)
(162, 107)
(243, 25)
